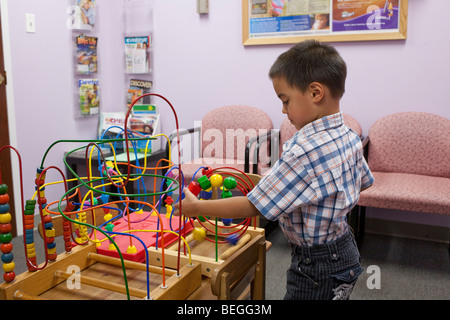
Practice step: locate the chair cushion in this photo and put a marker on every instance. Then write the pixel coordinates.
(410, 142)
(409, 192)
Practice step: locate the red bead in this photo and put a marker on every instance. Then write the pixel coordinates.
(42, 201)
(52, 257)
(47, 219)
(4, 198)
(9, 276)
(195, 188)
(6, 247)
(50, 240)
(5, 227)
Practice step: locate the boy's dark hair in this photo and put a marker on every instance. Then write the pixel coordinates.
(312, 61)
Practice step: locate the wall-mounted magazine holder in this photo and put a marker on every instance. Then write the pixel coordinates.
(83, 21)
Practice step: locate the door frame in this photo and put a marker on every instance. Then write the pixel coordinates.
(6, 41)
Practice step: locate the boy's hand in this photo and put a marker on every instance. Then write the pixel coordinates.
(188, 205)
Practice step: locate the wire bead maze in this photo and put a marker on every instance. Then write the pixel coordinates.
(132, 210)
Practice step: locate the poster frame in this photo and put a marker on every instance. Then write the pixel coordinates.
(370, 35)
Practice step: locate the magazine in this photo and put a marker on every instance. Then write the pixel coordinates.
(86, 54)
(137, 54)
(89, 96)
(85, 13)
(137, 89)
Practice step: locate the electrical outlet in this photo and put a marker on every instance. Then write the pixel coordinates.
(31, 27)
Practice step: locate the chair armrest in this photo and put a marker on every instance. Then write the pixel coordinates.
(174, 135)
(365, 144)
(273, 135)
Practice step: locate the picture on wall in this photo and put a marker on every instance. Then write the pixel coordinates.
(290, 21)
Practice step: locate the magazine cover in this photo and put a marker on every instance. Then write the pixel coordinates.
(86, 54)
(85, 12)
(111, 126)
(89, 96)
(137, 54)
(137, 89)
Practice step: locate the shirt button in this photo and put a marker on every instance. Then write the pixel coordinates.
(352, 273)
(334, 255)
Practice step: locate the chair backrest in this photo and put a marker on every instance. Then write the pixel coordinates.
(287, 129)
(410, 142)
(229, 128)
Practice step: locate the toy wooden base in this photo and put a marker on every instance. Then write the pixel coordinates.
(102, 277)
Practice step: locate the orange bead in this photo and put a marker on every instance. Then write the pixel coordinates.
(4, 198)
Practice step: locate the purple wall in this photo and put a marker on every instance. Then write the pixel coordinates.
(200, 64)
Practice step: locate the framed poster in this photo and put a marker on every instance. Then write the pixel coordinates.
(291, 21)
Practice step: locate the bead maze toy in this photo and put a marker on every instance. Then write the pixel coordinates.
(119, 245)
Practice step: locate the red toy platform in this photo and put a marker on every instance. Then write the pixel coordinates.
(149, 238)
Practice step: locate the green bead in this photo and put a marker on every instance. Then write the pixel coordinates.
(5, 237)
(109, 227)
(204, 182)
(3, 189)
(226, 194)
(230, 183)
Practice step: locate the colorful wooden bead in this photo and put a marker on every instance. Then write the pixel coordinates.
(6, 247)
(5, 227)
(9, 267)
(3, 188)
(204, 182)
(4, 208)
(227, 222)
(7, 257)
(194, 188)
(9, 277)
(199, 234)
(5, 237)
(5, 218)
(4, 198)
(230, 183)
(216, 180)
(233, 239)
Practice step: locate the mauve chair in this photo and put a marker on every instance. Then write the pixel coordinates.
(226, 134)
(409, 156)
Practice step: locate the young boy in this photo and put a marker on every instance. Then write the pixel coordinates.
(315, 183)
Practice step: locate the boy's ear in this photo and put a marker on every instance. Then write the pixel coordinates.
(316, 90)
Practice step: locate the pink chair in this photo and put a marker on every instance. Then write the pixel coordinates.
(225, 135)
(409, 156)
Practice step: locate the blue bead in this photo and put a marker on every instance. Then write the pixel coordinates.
(51, 245)
(7, 257)
(4, 208)
(226, 221)
(233, 239)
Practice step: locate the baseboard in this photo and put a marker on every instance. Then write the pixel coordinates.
(407, 230)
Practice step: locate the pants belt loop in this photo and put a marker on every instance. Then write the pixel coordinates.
(333, 250)
(306, 254)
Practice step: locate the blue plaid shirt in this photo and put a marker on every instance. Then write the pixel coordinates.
(315, 183)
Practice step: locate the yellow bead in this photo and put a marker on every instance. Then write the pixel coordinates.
(216, 180)
(199, 234)
(108, 216)
(5, 218)
(9, 267)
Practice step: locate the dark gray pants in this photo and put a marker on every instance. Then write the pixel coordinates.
(324, 272)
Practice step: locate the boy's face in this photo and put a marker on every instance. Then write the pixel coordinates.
(298, 106)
